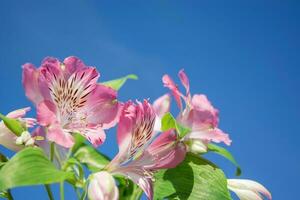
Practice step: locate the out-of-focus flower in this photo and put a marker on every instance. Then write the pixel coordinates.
(248, 189)
(102, 186)
(68, 100)
(141, 149)
(7, 138)
(199, 115)
(25, 139)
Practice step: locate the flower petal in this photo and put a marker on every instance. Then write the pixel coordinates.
(162, 105)
(18, 113)
(201, 115)
(72, 64)
(60, 136)
(96, 136)
(46, 113)
(169, 83)
(215, 135)
(185, 82)
(102, 107)
(165, 151)
(30, 83)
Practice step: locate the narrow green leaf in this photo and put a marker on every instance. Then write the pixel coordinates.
(94, 160)
(226, 154)
(169, 122)
(194, 179)
(13, 124)
(116, 84)
(30, 167)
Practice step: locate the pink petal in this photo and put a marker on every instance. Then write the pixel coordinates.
(18, 113)
(72, 64)
(165, 151)
(30, 83)
(162, 105)
(46, 113)
(168, 82)
(95, 136)
(102, 107)
(185, 82)
(202, 114)
(135, 128)
(62, 137)
(215, 135)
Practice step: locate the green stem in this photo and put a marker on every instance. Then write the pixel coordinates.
(62, 191)
(9, 195)
(52, 151)
(77, 192)
(49, 192)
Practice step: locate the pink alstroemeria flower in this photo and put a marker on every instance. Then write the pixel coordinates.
(68, 100)
(141, 149)
(7, 138)
(248, 189)
(199, 115)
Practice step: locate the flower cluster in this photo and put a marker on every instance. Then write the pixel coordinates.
(70, 103)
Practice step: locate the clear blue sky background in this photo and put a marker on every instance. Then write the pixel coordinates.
(244, 56)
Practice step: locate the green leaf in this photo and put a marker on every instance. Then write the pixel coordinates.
(79, 142)
(94, 160)
(116, 84)
(13, 124)
(194, 179)
(30, 167)
(169, 122)
(226, 154)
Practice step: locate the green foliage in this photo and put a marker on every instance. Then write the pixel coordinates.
(226, 154)
(194, 179)
(169, 122)
(128, 190)
(116, 84)
(30, 167)
(94, 160)
(13, 124)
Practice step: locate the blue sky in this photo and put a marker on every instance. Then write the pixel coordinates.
(244, 55)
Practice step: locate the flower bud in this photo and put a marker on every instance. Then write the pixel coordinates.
(196, 146)
(102, 187)
(248, 189)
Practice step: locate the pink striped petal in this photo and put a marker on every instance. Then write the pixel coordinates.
(102, 107)
(169, 83)
(95, 136)
(165, 151)
(185, 82)
(71, 65)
